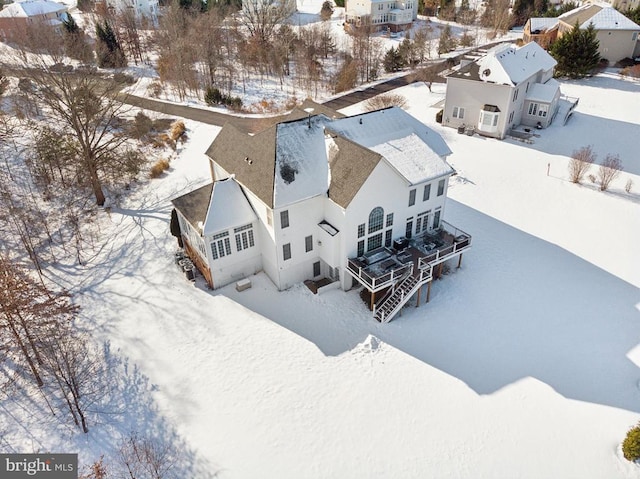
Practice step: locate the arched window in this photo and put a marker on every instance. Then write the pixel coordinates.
(376, 218)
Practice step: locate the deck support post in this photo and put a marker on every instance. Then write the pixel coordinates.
(418, 297)
(373, 299)
(460, 260)
(440, 266)
(429, 291)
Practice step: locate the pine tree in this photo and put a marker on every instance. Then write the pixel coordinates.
(110, 54)
(576, 52)
(447, 41)
(392, 60)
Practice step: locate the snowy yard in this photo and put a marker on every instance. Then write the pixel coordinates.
(524, 364)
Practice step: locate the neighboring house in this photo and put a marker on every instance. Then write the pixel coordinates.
(348, 201)
(382, 14)
(17, 17)
(543, 31)
(616, 34)
(147, 9)
(507, 87)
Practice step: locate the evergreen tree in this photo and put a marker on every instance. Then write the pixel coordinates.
(576, 52)
(633, 14)
(447, 42)
(110, 54)
(75, 42)
(69, 24)
(392, 61)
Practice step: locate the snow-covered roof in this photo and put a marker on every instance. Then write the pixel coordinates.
(411, 147)
(542, 24)
(610, 19)
(301, 166)
(509, 65)
(298, 159)
(543, 92)
(30, 8)
(228, 207)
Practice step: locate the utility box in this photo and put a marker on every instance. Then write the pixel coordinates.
(243, 284)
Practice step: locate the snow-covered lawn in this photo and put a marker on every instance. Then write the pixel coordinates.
(524, 364)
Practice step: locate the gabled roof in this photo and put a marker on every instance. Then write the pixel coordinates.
(194, 205)
(603, 17)
(508, 65)
(411, 148)
(215, 207)
(580, 14)
(293, 160)
(350, 165)
(542, 24)
(228, 207)
(31, 8)
(250, 158)
(543, 92)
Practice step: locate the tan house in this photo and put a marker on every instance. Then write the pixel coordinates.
(616, 34)
(15, 18)
(543, 31)
(508, 87)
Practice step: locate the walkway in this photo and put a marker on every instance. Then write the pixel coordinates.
(254, 124)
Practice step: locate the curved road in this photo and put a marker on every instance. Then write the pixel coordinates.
(254, 124)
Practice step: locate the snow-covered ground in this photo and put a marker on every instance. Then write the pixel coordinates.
(524, 364)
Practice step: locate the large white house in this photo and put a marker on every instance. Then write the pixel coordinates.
(396, 15)
(141, 9)
(355, 201)
(507, 87)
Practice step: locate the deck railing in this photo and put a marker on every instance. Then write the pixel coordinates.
(455, 242)
(378, 282)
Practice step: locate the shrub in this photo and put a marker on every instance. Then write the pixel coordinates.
(581, 161)
(628, 185)
(212, 96)
(155, 89)
(467, 40)
(609, 170)
(158, 168)
(631, 444)
(142, 126)
(177, 130)
(123, 78)
(385, 100)
(327, 10)
(633, 72)
(592, 178)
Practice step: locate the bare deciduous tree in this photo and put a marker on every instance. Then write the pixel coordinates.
(28, 313)
(76, 369)
(608, 171)
(262, 17)
(145, 457)
(580, 162)
(82, 103)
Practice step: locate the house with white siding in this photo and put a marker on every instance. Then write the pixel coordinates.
(322, 199)
(507, 87)
(395, 15)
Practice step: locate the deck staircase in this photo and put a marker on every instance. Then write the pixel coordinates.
(400, 294)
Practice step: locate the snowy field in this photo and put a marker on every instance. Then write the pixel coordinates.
(525, 364)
